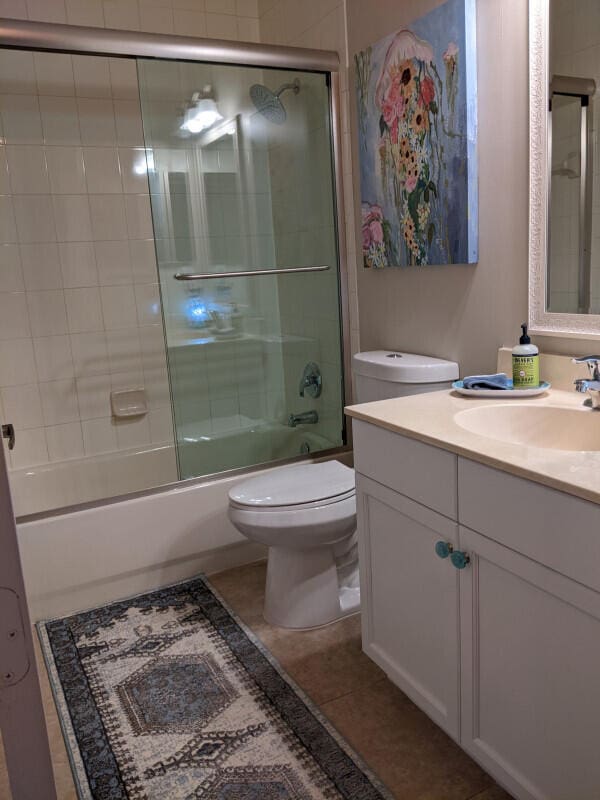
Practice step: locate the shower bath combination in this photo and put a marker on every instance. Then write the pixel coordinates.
(221, 236)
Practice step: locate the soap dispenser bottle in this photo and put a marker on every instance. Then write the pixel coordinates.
(525, 363)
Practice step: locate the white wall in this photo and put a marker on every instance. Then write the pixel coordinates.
(464, 312)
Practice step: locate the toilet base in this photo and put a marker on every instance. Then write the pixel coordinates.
(310, 588)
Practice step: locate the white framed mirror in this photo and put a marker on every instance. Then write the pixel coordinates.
(564, 175)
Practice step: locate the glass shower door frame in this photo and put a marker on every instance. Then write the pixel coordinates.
(53, 37)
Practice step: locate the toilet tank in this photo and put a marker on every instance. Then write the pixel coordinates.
(382, 374)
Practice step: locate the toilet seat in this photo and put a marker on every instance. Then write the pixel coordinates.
(299, 487)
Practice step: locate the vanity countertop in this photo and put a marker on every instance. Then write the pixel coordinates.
(431, 418)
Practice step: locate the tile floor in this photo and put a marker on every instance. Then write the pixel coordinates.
(411, 755)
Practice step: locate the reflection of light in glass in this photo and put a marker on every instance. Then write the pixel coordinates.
(155, 308)
(145, 163)
(196, 311)
(201, 116)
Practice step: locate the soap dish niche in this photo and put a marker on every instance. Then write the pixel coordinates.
(129, 403)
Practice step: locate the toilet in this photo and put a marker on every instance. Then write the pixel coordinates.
(306, 514)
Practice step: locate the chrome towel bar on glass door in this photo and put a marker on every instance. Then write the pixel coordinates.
(249, 273)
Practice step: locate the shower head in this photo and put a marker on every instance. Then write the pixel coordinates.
(268, 102)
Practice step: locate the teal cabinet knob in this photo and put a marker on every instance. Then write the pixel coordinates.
(459, 559)
(443, 549)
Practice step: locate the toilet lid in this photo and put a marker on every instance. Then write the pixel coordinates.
(291, 486)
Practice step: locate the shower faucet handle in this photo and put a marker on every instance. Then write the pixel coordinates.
(311, 382)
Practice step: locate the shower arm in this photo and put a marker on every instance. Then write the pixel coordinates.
(248, 273)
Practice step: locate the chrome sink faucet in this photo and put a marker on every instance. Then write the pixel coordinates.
(591, 386)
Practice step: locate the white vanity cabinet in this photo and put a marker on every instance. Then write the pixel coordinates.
(504, 654)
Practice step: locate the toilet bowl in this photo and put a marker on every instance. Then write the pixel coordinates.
(306, 515)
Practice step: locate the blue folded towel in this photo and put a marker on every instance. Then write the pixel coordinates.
(498, 381)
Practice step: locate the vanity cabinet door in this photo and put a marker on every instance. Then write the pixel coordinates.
(409, 598)
(530, 667)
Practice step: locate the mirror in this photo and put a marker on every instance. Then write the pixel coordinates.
(564, 247)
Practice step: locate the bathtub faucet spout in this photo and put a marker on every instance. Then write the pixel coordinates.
(305, 418)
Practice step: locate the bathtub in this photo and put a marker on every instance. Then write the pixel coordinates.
(81, 557)
(84, 480)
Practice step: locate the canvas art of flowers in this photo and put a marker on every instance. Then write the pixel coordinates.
(417, 128)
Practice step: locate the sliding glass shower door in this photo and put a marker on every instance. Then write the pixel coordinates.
(240, 170)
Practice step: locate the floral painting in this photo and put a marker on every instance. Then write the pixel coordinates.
(417, 104)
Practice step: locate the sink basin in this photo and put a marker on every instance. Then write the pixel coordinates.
(549, 427)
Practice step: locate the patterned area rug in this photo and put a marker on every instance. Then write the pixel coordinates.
(167, 696)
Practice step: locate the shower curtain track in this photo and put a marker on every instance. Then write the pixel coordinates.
(50, 36)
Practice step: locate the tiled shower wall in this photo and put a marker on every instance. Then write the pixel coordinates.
(79, 306)
(82, 315)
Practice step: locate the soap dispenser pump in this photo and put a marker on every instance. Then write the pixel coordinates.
(525, 363)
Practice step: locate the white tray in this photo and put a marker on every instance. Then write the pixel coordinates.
(503, 394)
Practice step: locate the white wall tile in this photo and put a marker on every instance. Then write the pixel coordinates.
(139, 216)
(143, 261)
(41, 266)
(14, 317)
(53, 358)
(156, 20)
(4, 179)
(46, 10)
(84, 310)
(8, 227)
(34, 218)
(97, 122)
(132, 433)
(121, 14)
(85, 12)
(78, 264)
(17, 364)
(17, 74)
(22, 406)
(13, 9)
(246, 8)
(72, 218)
(133, 169)
(161, 425)
(27, 169)
(148, 303)
(10, 267)
(21, 119)
(90, 356)
(114, 265)
(123, 79)
(118, 307)
(124, 351)
(130, 131)
(102, 171)
(47, 313)
(31, 449)
(64, 441)
(54, 74)
(99, 436)
(189, 22)
(93, 394)
(60, 120)
(66, 170)
(220, 6)
(221, 26)
(92, 76)
(108, 217)
(59, 402)
(248, 29)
